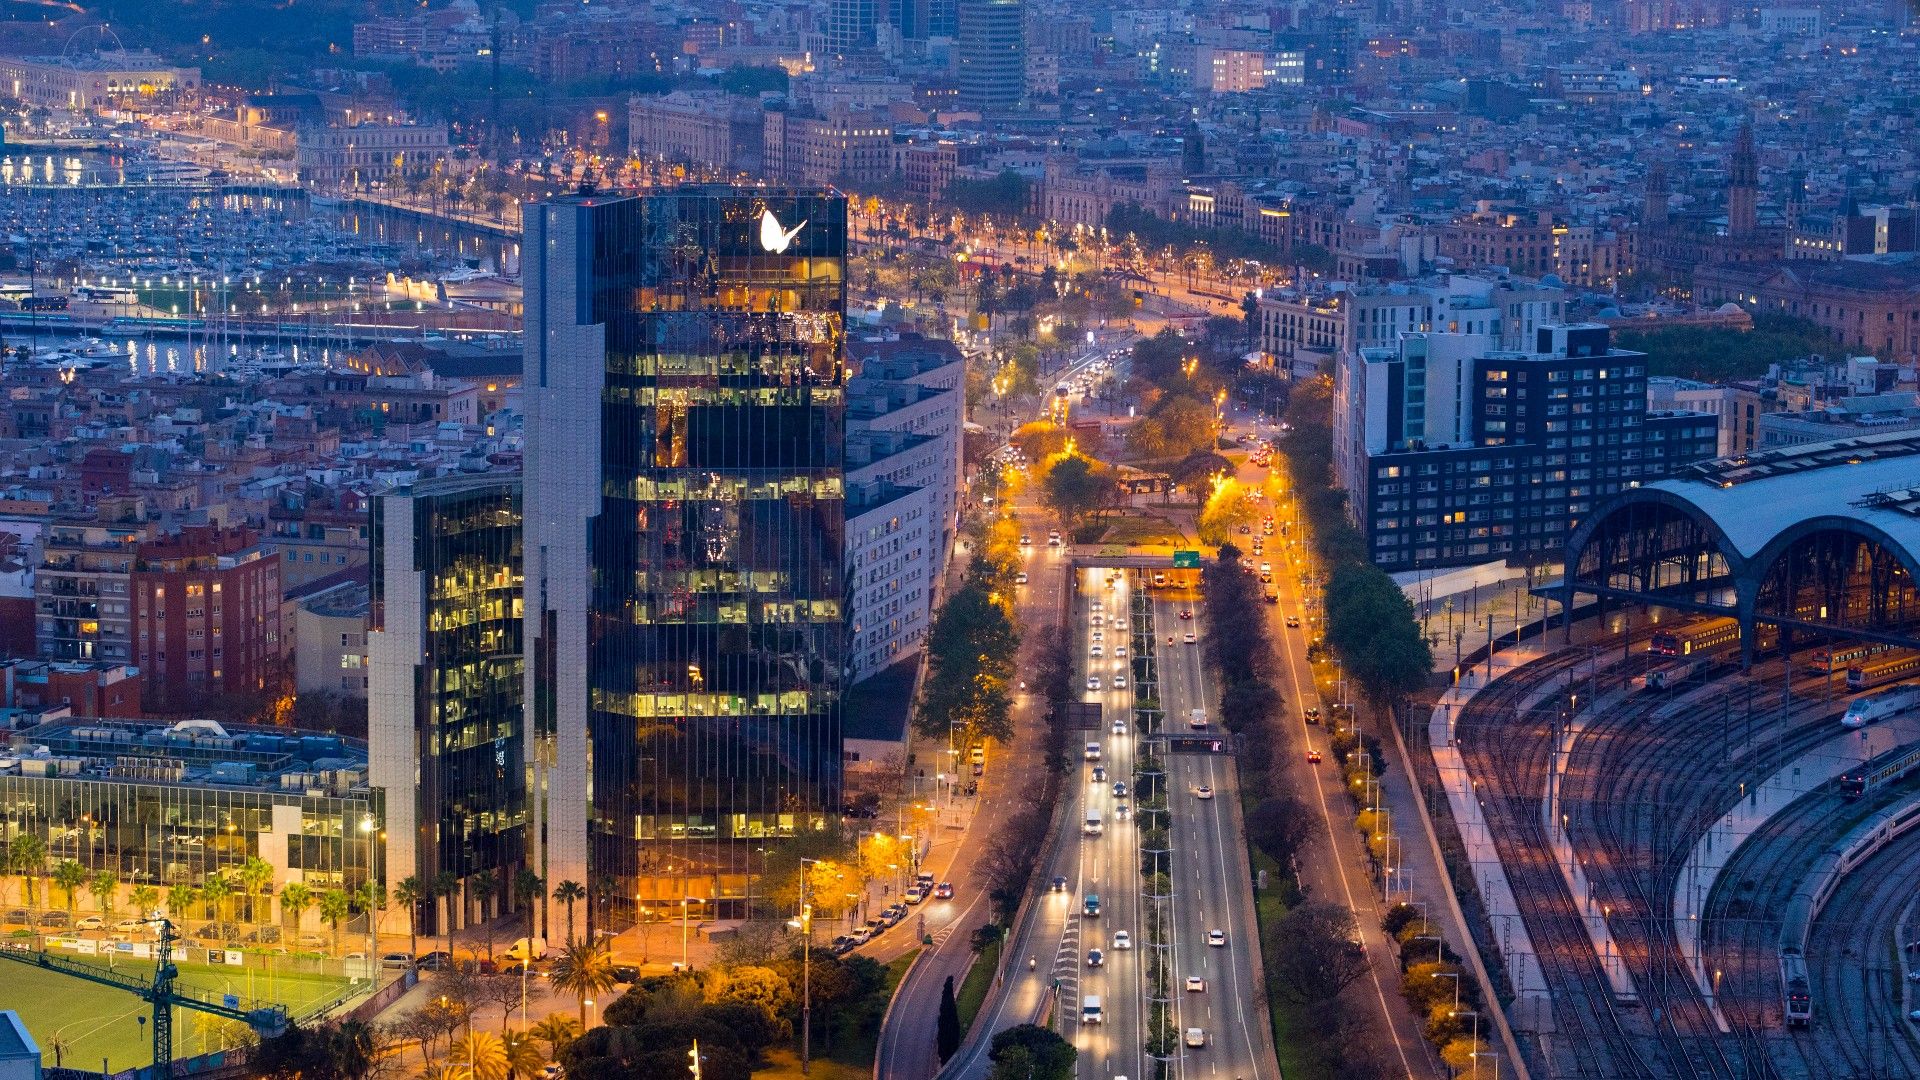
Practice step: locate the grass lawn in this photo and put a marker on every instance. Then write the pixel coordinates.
(94, 1022)
(1142, 530)
(855, 1048)
(784, 1064)
(1289, 1020)
(972, 991)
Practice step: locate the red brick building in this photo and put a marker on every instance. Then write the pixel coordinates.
(207, 617)
(86, 687)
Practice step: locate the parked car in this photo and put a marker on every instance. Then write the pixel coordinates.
(56, 919)
(915, 895)
(395, 960)
(130, 926)
(842, 945)
(436, 960)
(20, 916)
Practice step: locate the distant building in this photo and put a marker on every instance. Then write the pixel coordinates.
(206, 616)
(840, 146)
(992, 54)
(1470, 454)
(104, 80)
(445, 725)
(711, 129)
(1737, 410)
(1870, 306)
(1673, 247)
(330, 635)
(83, 591)
(80, 688)
(363, 154)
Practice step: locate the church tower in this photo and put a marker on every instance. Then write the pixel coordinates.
(1743, 187)
(1653, 211)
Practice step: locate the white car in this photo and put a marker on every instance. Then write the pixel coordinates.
(1196, 1038)
(1216, 939)
(1203, 792)
(1119, 727)
(91, 922)
(1190, 638)
(1119, 682)
(1122, 940)
(1099, 635)
(1020, 578)
(1196, 984)
(1120, 651)
(1097, 650)
(1093, 682)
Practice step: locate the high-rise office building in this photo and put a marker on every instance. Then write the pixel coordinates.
(685, 391)
(850, 25)
(993, 53)
(446, 732)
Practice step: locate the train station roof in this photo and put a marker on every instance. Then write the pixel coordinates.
(1873, 480)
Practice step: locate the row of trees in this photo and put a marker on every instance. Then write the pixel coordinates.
(1370, 623)
(973, 644)
(1239, 645)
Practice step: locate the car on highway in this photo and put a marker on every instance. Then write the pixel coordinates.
(1099, 774)
(1119, 789)
(1216, 939)
(1196, 1038)
(1914, 1016)
(1186, 615)
(1122, 941)
(1093, 682)
(1059, 883)
(1293, 622)
(1119, 727)
(1119, 682)
(1097, 650)
(1025, 540)
(1120, 651)
(1190, 638)
(1196, 984)
(1913, 976)
(1203, 792)
(943, 891)
(1313, 757)
(1092, 752)
(1312, 715)
(1020, 578)
(1095, 958)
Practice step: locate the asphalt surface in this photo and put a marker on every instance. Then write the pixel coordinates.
(906, 1048)
(1211, 880)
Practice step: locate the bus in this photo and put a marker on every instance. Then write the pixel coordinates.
(1884, 668)
(109, 294)
(44, 303)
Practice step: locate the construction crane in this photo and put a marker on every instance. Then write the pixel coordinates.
(266, 1022)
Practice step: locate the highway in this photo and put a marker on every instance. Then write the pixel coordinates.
(1212, 883)
(906, 1047)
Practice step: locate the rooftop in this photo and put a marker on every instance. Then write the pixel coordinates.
(189, 752)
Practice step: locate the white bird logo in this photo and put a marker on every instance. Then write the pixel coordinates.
(772, 236)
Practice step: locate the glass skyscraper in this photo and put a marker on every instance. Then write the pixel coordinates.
(445, 724)
(685, 392)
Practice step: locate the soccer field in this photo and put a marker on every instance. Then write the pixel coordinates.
(94, 1022)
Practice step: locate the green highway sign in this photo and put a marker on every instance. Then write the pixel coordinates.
(1186, 560)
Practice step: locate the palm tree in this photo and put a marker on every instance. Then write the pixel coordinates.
(484, 887)
(334, 909)
(105, 887)
(295, 899)
(144, 897)
(524, 1059)
(557, 1030)
(255, 875)
(527, 890)
(480, 1055)
(446, 883)
(180, 900)
(568, 893)
(27, 857)
(410, 893)
(584, 970)
(70, 875)
(215, 892)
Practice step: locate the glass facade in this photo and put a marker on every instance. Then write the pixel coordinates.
(457, 620)
(716, 622)
(164, 805)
